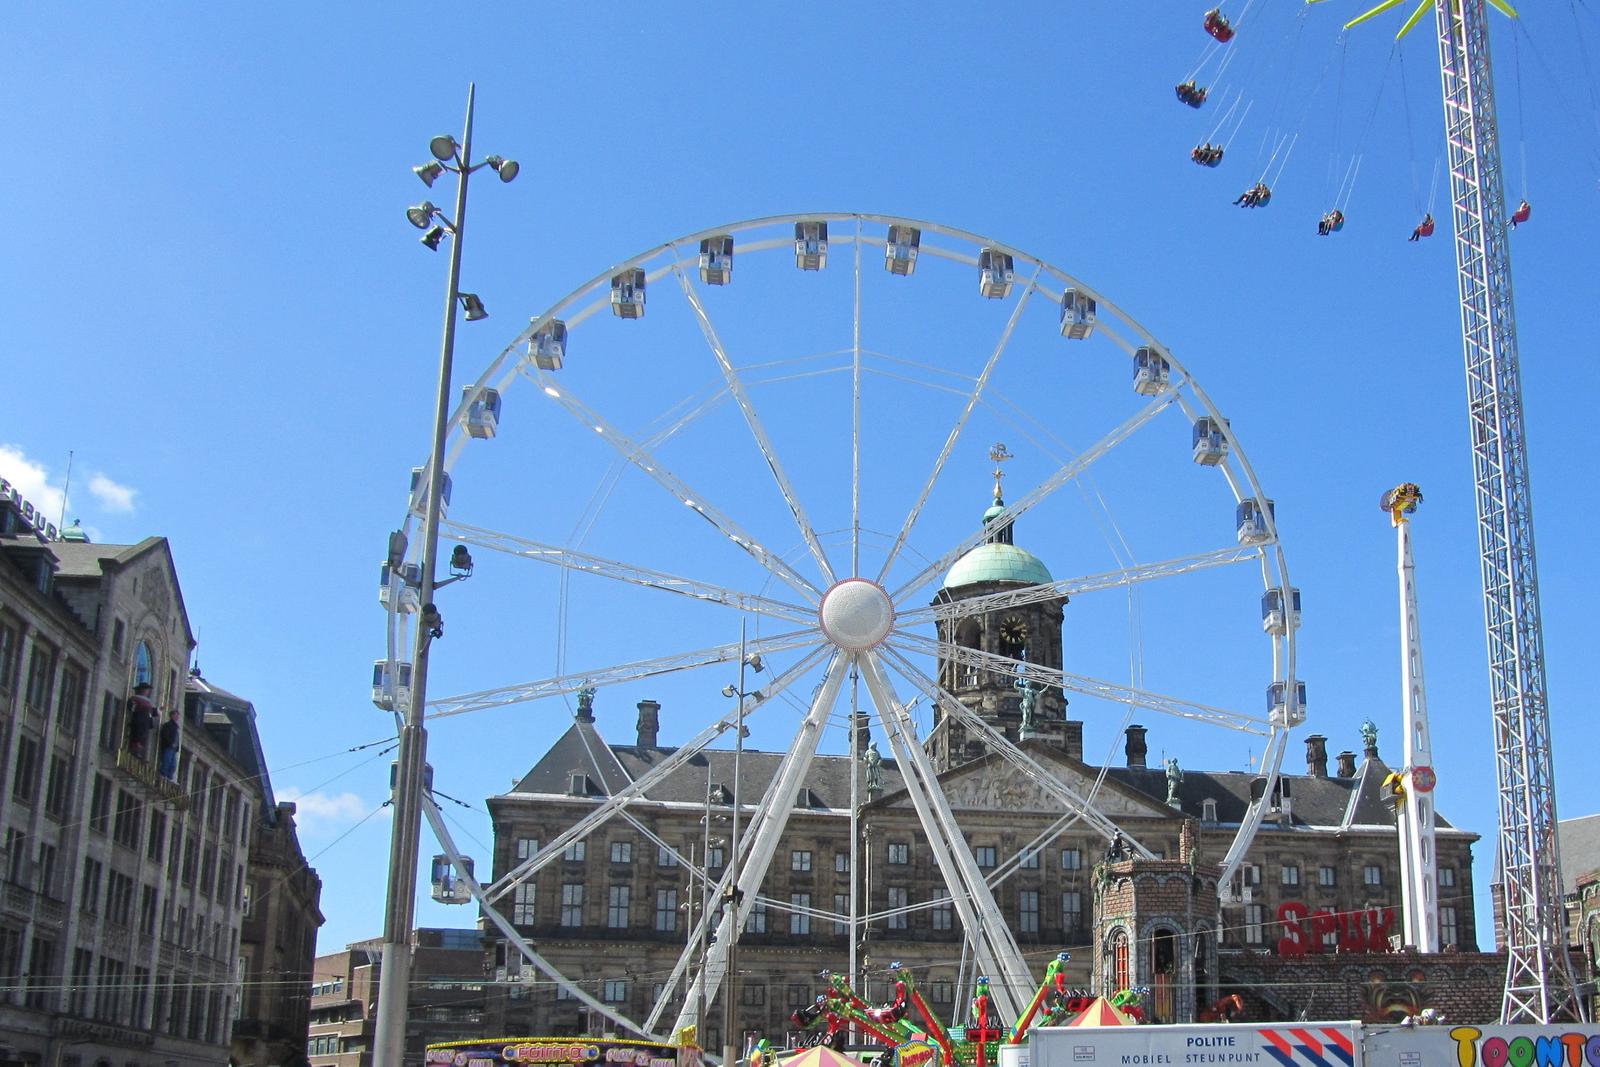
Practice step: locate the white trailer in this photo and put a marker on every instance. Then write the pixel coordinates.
(1330, 1044)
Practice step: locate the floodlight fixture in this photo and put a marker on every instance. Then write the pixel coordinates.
(420, 215)
(506, 168)
(429, 172)
(443, 147)
(473, 306)
(432, 238)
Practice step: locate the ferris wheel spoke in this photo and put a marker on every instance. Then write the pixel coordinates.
(574, 560)
(758, 429)
(955, 431)
(1025, 764)
(658, 773)
(1088, 583)
(640, 456)
(1068, 471)
(1084, 685)
(622, 673)
(855, 416)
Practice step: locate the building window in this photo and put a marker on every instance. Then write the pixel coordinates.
(943, 915)
(58, 789)
(899, 898)
(615, 991)
(985, 855)
(1252, 874)
(89, 900)
(100, 805)
(752, 995)
(841, 906)
(572, 904)
(1028, 911)
(125, 831)
(69, 705)
(1289, 874)
(800, 860)
(527, 848)
(899, 853)
(41, 672)
(617, 908)
(144, 672)
(666, 910)
(25, 782)
(575, 852)
(1372, 874)
(1327, 876)
(1449, 932)
(156, 846)
(756, 922)
(1071, 911)
(1121, 975)
(1208, 810)
(1071, 859)
(622, 852)
(523, 900)
(665, 857)
(1447, 877)
(1028, 860)
(800, 917)
(1254, 917)
(45, 882)
(10, 647)
(841, 862)
(715, 857)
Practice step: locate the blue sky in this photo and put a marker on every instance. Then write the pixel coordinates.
(213, 300)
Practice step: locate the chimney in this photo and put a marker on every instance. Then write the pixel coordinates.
(1073, 739)
(1347, 764)
(1317, 756)
(863, 731)
(1136, 748)
(649, 722)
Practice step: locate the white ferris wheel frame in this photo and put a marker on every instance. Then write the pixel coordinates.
(989, 938)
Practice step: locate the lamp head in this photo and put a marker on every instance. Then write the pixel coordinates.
(429, 172)
(443, 147)
(730, 691)
(506, 168)
(473, 306)
(461, 561)
(432, 237)
(754, 662)
(420, 215)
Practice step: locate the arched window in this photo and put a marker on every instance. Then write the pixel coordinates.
(968, 635)
(1118, 957)
(144, 666)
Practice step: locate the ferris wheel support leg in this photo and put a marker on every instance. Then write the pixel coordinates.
(767, 827)
(430, 811)
(996, 949)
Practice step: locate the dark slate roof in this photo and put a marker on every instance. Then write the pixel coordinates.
(1580, 849)
(231, 721)
(581, 748)
(85, 560)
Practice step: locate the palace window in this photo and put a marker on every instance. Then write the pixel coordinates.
(1289, 874)
(1327, 876)
(1254, 919)
(899, 852)
(799, 920)
(800, 860)
(666, 910)
(572, 904)
(1071, 859)
(899, 898)
(1028, 911)
(1372, 874)
(985, 855)
(617, 907)
(622, 852)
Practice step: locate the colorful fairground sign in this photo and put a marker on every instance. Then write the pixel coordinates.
(560, 1052)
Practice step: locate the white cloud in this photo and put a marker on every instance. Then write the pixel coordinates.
(112, 496)
(320, 813)
(31, 479)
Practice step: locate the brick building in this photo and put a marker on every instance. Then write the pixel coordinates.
(613, 911)
(122, 897)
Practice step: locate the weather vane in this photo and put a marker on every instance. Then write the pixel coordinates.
(999, 453)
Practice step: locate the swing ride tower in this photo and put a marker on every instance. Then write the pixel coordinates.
(1540, 985)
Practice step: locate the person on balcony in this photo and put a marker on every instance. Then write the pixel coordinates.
(171, 732)
(141, 719)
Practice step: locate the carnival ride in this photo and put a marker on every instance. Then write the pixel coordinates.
(738, 371)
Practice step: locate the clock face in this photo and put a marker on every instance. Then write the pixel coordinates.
(1013, 631)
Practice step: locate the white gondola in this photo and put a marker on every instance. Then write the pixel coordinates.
(1277, 709)
(548, 345)
(1273, 618)
(716, 260)
(1077, 315)
(420, 474)
(1253, 518)
(627, 294)
(387, 693)
(410, 579)
(900, 251)
(448, 886)
(483, 411)
(1151, 372)
(996, 273)
(1210, 443)
(811, 245)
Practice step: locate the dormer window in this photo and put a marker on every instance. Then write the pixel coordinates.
(578, 784)
(1208, 810)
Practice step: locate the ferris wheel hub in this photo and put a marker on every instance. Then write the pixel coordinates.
(856, 614)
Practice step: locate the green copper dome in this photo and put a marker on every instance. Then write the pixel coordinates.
(998, 563)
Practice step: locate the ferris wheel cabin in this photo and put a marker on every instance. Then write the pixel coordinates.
(900, 251)
(716, 260)
(419, 478)
(1151, 373)
(1277, 707)
(996, 273)
(448, 886)
(483, 411)
(387, 693)
(811, 245)
(1273, 618)
(548, 345)
(1077, 315)
(405, 600)
(627, 294)
(1253, 517)
(1210, 444)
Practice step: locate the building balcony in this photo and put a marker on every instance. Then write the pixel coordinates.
(17, 900)
(144, 772)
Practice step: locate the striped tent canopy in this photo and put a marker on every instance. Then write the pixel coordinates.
(820, 1056)
(1102, 1013)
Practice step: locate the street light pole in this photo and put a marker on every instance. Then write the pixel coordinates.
(731, 1044)
(394, 979)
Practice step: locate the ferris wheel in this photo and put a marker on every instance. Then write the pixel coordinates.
(786, 424)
